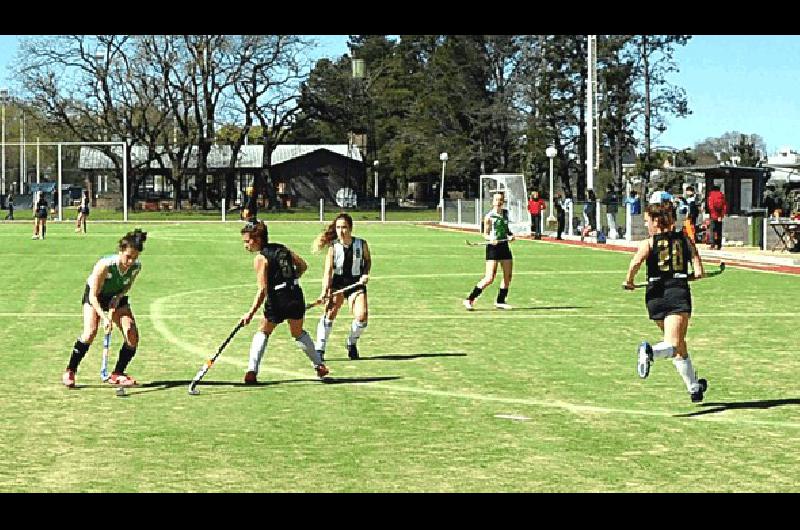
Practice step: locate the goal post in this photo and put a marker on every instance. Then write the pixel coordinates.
(120, 149)
(513, 187)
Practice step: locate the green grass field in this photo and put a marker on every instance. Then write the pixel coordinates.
(543, 398)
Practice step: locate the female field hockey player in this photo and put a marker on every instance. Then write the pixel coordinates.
(498, 234)
(106, 290)
(40, 213)
(278, 271)
(347, 264)
(83, 213)
(668, 297)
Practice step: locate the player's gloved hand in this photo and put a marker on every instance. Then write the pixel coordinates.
(511, 238)
(108, 325)
(364, 279)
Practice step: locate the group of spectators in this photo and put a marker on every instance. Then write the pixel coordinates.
(687, 206)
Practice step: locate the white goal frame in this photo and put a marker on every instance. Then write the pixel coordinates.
(59, 144)
(516, 199)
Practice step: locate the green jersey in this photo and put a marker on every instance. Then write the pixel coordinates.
(116, 281)
(499, 224)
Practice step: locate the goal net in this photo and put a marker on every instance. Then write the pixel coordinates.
(516, 194)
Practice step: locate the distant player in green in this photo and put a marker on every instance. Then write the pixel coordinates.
(498, 235)
(278, 271)
(106, 290)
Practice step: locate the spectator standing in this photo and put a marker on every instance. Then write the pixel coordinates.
(589, 214)
(636, 204)
(536, 206)
(558, 204)
(10, 205)
(612, 207)
(717, 208)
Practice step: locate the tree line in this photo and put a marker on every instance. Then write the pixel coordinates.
(492, 102)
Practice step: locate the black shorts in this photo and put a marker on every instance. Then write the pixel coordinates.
(285, 304)
(667, 300)
(41, 215)
(83, 211)
(498, 252)
(104, 299)
(340, 282)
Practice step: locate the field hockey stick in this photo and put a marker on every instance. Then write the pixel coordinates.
(104, 363)
(318, 301)
(482, 243)
(106, 346)
(203, 369)
(709, 274)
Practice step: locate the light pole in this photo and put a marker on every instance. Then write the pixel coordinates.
(443, 158)
(551, 154)
(375, 165)
(3, 99)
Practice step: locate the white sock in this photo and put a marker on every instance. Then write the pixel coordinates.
(305, 343)
(324, 327)
(356, 329)
(685, 369)
(257, 348)
(663, 350)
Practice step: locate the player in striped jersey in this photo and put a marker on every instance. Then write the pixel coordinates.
(498, 234)
(348, 262)
(668, 297)
(106, 290)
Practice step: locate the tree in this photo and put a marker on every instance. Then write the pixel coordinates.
(654, 61)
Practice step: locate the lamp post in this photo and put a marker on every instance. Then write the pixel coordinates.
(3, 99)
(443, 158)
(375, 165)
(551, 153)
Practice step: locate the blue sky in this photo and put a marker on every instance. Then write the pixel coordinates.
(746, 83)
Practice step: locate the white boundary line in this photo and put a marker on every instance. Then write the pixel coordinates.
(156, 316)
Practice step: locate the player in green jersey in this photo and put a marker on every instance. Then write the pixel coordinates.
(106, 290)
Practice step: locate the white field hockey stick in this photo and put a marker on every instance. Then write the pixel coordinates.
(104, 363)
(106, 346)
(482, 243)
(709, 274)
(318, 301)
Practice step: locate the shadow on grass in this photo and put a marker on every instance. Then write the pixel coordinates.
(722, 407)
(398, 357)
(539, 308)
(155, 386)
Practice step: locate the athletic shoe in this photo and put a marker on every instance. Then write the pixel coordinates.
(250, 378)
(502, 305)
(119, 379)
(68, 378)
(697, 397)
(34, 237)
(645, 359)
(352, 352)
(322, 370)
(321, 356)
(469, 304)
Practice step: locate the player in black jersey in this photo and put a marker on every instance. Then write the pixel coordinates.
(347, 262)
(498, 234)
(83, 213)
(669, 299)
(40, 213)
(278, 271)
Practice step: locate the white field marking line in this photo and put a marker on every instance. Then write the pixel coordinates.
(458, 314)
(158, 323)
